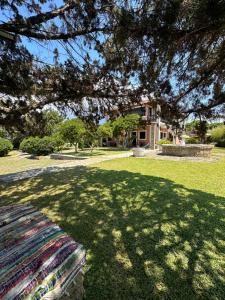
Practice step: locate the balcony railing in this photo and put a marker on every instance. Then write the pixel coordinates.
(150, 118)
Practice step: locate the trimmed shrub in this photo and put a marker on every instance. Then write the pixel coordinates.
(5, 147)
(192, 140)
(163, 141)
(41, 146)
(3, 133)
(218, 135)
(57, 142)
(45, 146)
(30, 145)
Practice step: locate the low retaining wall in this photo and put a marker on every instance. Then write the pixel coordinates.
(65, 156)
(194, 150)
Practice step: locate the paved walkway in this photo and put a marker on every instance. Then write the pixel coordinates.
(60, 167)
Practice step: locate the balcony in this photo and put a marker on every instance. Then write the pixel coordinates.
(150, 118)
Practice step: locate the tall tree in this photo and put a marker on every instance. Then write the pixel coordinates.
(123, 127)
(170, 50)
(72, 131)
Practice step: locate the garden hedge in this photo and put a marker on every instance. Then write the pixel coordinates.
(218, 135)
(5, 147)
(41, 146)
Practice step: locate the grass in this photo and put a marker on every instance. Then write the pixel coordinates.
(153, 229)
(96, 152)
(218, 150)
(15, 162)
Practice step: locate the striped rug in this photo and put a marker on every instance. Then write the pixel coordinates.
(37, 259)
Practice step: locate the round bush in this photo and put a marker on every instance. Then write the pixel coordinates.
(41, 146)
(30, 145)
(192, 140)
(45, 146)
(218, 135)
(163, 142)
(5, 147)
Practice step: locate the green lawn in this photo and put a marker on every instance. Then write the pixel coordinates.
(218, 150)
(95, 152)
(14, 162)
(153, 229)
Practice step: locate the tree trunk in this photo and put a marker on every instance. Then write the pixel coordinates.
(92, 147)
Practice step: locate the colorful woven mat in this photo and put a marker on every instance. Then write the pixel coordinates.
(37, 258)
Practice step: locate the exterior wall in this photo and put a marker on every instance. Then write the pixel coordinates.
(152, 137)
(145, 141)
(151, 125)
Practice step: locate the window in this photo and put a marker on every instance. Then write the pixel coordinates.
(162, 135)
(142, 135)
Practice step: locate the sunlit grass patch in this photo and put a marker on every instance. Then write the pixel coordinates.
(152, 229)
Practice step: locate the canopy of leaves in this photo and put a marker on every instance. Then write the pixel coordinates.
(170, 50)
(218, 135)
(72, 131)
(105, 130)
(3, 133)
(126, 124)
(199, 127)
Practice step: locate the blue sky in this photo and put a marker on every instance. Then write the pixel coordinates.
(44, 50)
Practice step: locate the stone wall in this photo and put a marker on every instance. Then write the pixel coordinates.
(61, 156)
(187, 150)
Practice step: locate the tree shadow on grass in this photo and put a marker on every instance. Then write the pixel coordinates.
(146, 237)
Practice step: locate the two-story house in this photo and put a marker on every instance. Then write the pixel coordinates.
(152, 127)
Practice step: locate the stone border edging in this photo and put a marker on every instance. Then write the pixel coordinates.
(60, 156)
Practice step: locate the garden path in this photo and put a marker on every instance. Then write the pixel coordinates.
(59, 167)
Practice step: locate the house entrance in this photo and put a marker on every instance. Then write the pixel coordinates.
(134, 139)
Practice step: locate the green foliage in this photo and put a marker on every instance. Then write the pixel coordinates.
(192, 140)
(5, 147)
(30, 145)
(16, 138)
(41, 123)
(141, 30)
(123, 126)
(191, 126)
(46, 145)
(213, 125)
(218, 135)
(52, 120)
(105, 130)
(127, 123)
(57, 142)
(36, 124)
(163, 142)
(91, 138)
(3, 133)
(199, 128)
(41, 146)
(72, 131)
